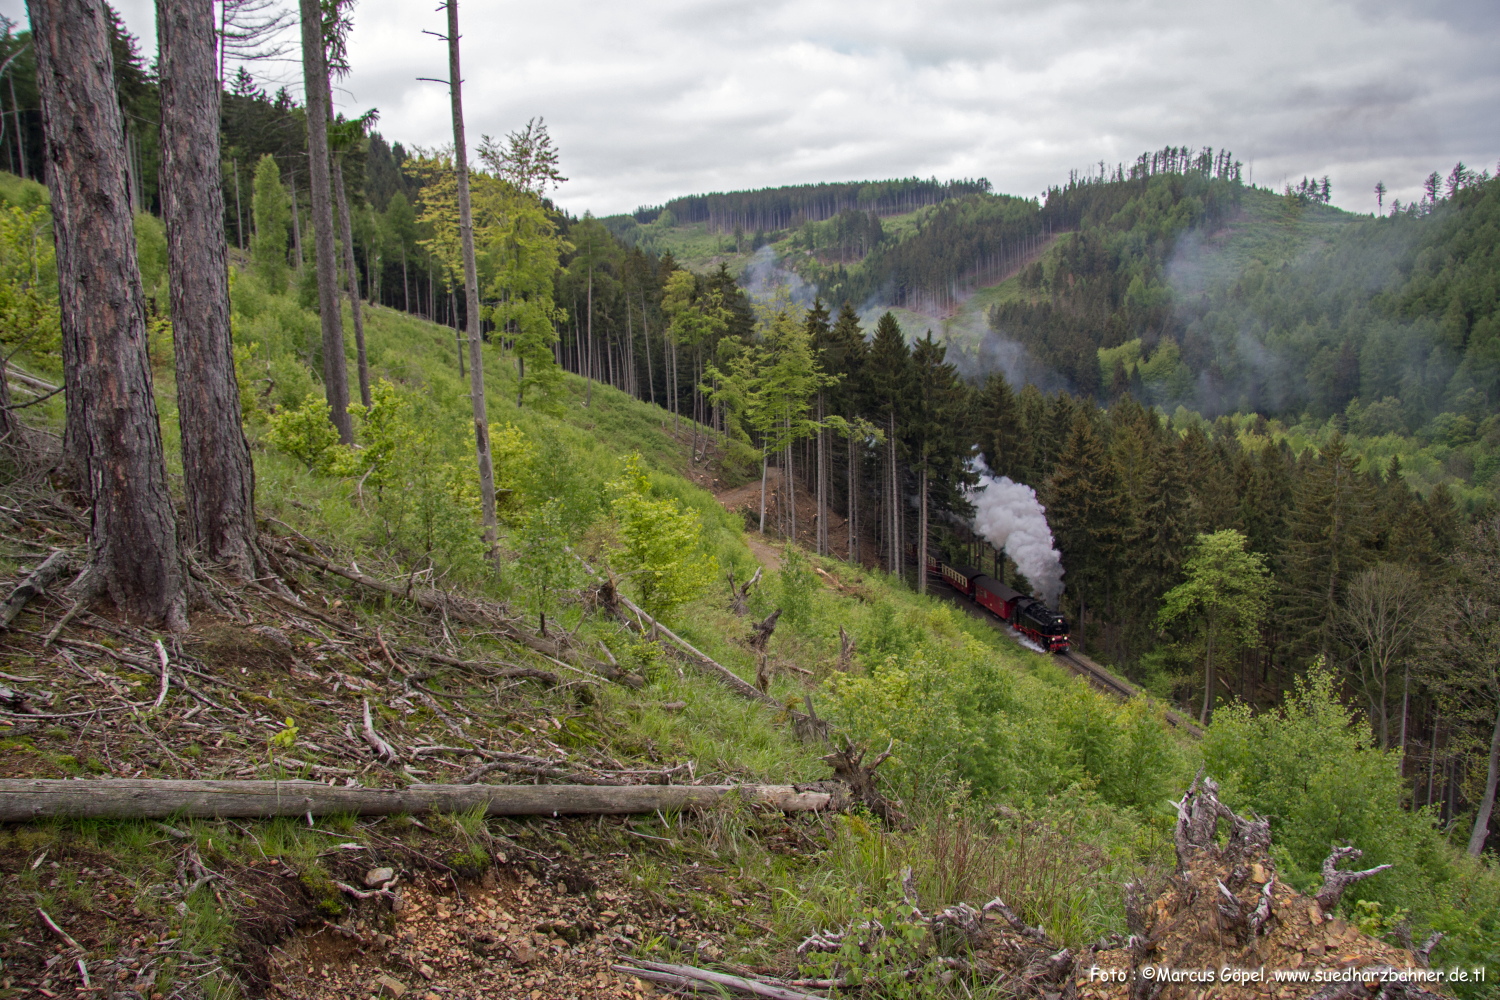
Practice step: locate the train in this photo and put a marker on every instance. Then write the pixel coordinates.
(1028, 615)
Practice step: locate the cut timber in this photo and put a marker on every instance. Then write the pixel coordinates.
(25, 799)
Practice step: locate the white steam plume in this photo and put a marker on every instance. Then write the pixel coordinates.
(1008, 516)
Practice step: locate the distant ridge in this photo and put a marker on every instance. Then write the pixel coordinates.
(777, 208)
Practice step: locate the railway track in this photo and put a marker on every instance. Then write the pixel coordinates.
(1111, 683)
(1105, 680)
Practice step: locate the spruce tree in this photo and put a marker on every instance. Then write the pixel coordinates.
(998, 426)
(889, 383)
(940, 439)
(1159, 537)
(818, 336)
(845, 354)
(1084, 508)
(1327, 528)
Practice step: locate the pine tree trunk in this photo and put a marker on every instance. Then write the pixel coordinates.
(320, 184)
(851, 502)
(218, 476)
(588, 351)
(133, 551)
(346, 228)
(471, 292)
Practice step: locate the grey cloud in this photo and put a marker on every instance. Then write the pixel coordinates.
(658, 98)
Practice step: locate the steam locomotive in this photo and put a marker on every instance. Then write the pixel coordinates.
(1027, 615)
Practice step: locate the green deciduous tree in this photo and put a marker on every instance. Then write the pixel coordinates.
(521, 251)
(1224, 595)
(661, 544)
(1380, 618)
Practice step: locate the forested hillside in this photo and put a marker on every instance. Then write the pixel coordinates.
(378, 476)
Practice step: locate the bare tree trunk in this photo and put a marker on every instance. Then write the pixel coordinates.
(320, 183)
(646, 332)
(922, 533)
(291, 178)
(471, 293)
(822, 484)
(10, 427)
(764, 463)
(588, 351)
(346, 227)
(133, 549)
(218, 476)
(851, 502)
(1208, 678)
(1487, 803)
(25, 800)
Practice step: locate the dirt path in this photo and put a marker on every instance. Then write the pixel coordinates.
(746, 498)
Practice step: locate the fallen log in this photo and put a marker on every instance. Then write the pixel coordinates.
(26, 799)
(35, 583)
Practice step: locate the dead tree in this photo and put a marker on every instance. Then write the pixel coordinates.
(739, 596)
(113, 428)
(848, 763)
(846, 649)
(1336, 881)
(471, 291)
(218, 478)
(759, 638)
(320, 183)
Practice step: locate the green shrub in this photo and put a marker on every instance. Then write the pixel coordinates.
(661, 544)
(1313, 769)
(797, 584)
(307, 434)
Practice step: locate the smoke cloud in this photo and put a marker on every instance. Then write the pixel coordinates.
(1008, 516)
(764, 277)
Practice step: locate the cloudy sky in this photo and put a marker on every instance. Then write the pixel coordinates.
(655, 98)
